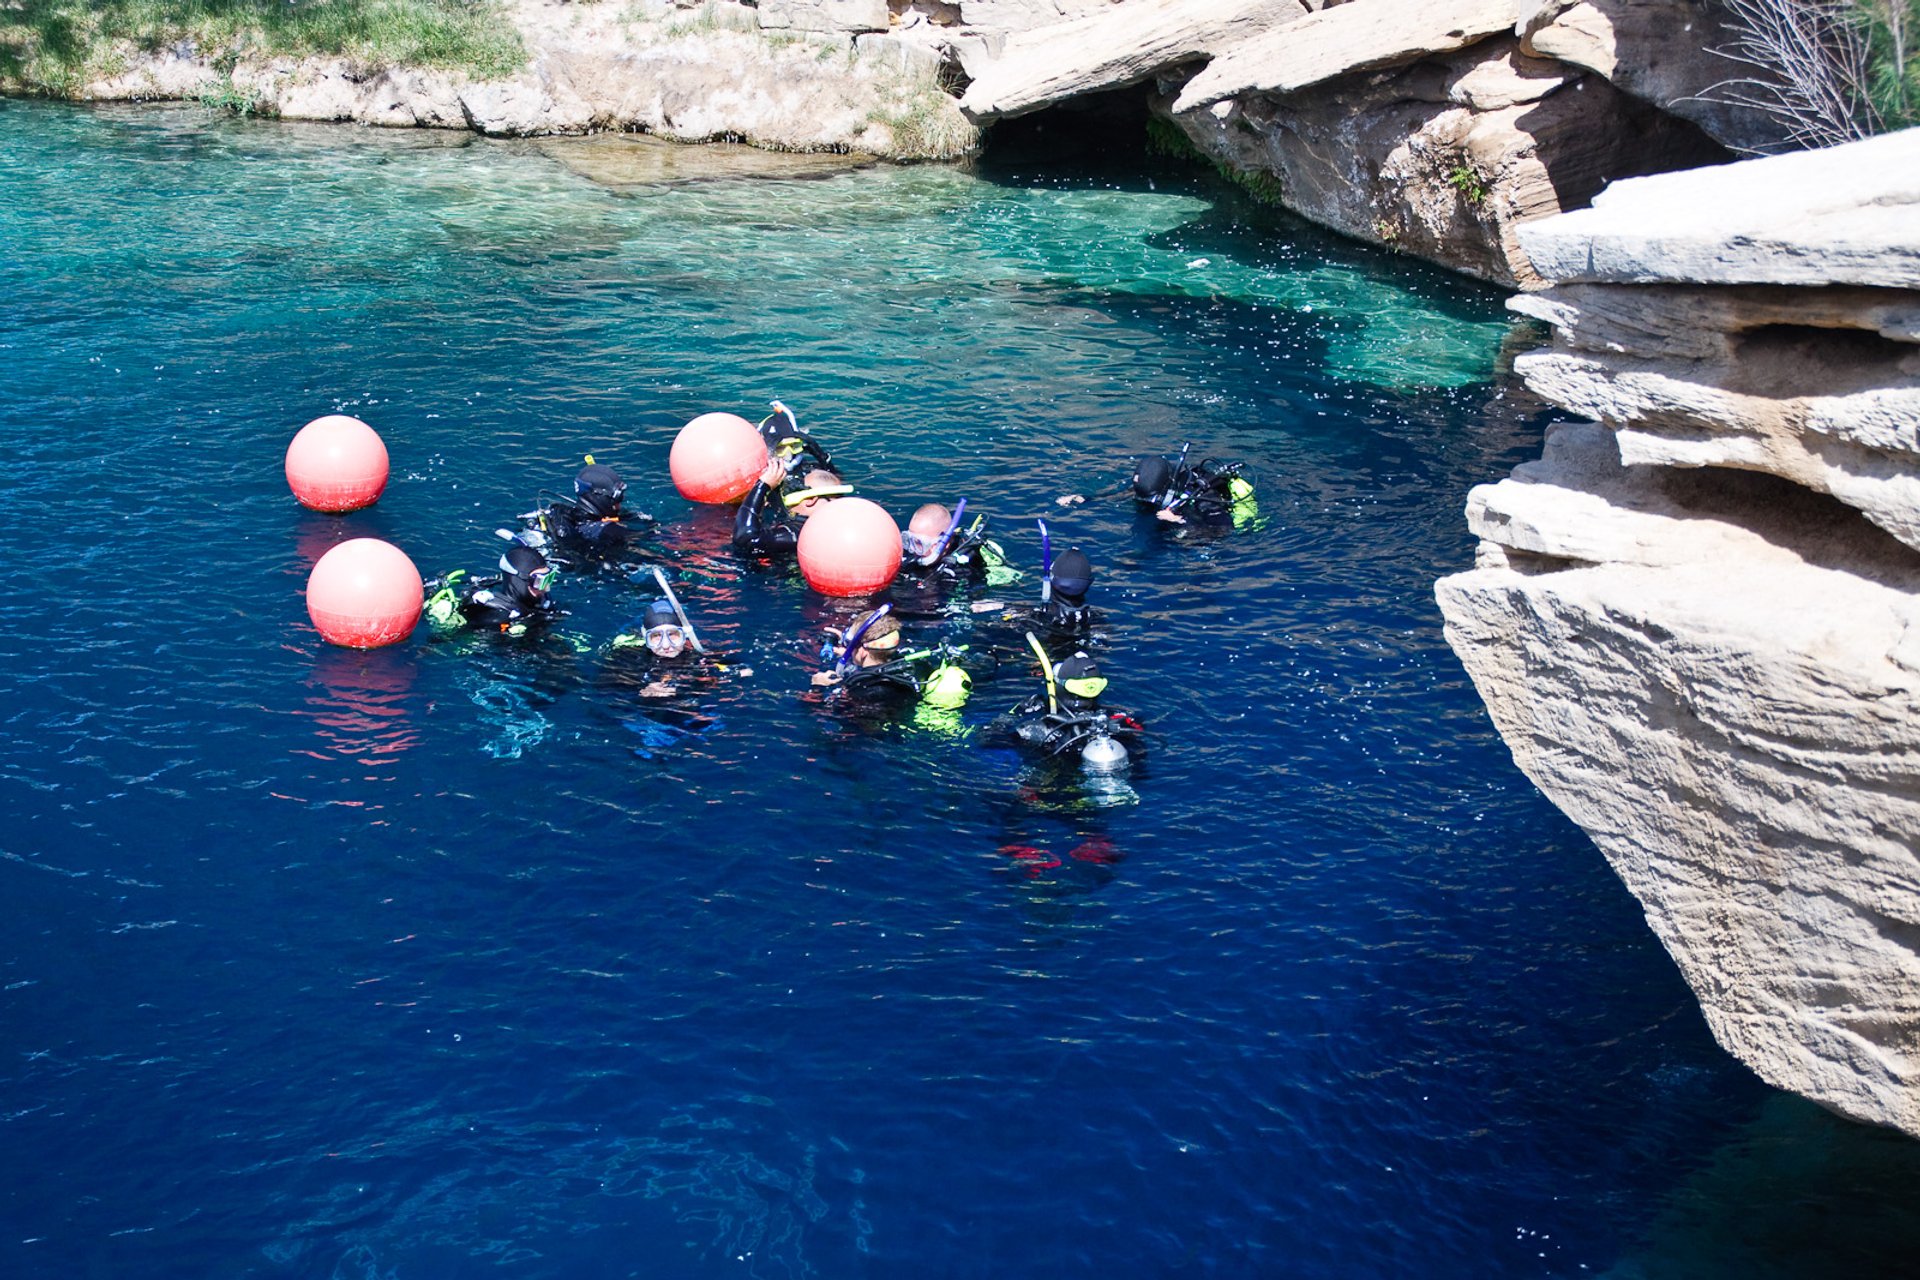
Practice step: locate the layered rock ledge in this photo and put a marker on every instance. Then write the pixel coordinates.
(1696, 620)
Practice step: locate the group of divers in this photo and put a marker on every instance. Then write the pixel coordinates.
(870, 662)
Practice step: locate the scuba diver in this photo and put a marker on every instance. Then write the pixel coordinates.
(781, 430)
(1063, 611)
(760, 530)
(940, 553)
(659, 656)
(510, 602)
(937, 545)
(866, 664)
(593, 525)
(1066, 718)
(660, 639)
(1178, 492)
(1182, 492)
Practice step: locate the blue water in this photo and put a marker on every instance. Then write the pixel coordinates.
(449, 960)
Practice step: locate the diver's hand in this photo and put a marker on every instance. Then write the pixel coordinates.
(988, 606)
(824, 678)
(1169, 515)
(1070, 499)
(658, 689)
(775, 472)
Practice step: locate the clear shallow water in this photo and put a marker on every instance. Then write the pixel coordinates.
(442, 961)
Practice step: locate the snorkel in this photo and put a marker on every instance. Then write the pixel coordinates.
(946, 539)
(779, 407)
(1046, 669)
(798, 496)
(686, 626)
(1046, 573)
(853, 637)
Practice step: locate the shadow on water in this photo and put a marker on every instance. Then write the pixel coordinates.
(1794, 1192)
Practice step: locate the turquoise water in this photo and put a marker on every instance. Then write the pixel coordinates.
(451, 959)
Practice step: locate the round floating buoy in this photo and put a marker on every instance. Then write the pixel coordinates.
(363, 594)
(716, 458)
(849, 547)
(337, 463)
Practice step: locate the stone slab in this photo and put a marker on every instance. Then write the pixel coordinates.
(1841, 215)
(1345, 39)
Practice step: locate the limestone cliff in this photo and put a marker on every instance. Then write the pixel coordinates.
(1697, 623)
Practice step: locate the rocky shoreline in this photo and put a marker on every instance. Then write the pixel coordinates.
(1697, 623)
(1437, 128)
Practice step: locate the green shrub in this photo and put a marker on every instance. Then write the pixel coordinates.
(1892, 29)
(1467, 181)
(225, 95)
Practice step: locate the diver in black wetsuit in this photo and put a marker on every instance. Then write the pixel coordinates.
(1178, 492)
(865, 663)
(1067, 717)
(769, 519)
(660, 658)
(510, 602)
(940, 556)
(785, 440)
(1062, 612)
(1182, 492)
(654, 654)
(594, 525)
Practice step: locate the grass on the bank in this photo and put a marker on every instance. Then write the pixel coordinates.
(55, 47)
(925, 123)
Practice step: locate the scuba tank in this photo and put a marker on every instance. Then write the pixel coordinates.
(1103, 754)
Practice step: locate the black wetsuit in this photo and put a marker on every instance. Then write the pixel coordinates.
(1074, 723)
(510, 601)
(581, 534)
(761, 526)
(1204, 491)
(920, 590)
(503, 603)
(1061, 621)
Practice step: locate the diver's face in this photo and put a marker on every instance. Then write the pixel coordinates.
(666, 642)
(815, 480)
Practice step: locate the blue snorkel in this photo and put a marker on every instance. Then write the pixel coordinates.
(853, 637)
(953, 527)
(1046, 564)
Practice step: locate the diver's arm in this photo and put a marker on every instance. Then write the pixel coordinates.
(752, 531)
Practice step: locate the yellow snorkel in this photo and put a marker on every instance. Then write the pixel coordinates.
(799, 496)
(1046, 669)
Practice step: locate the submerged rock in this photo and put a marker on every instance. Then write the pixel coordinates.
(1697, 623)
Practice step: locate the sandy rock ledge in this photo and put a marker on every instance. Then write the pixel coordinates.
(1696, 620)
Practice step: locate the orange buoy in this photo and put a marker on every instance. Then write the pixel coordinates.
(337, 463)
(716, 458)
(363, 594)
(849, 547)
